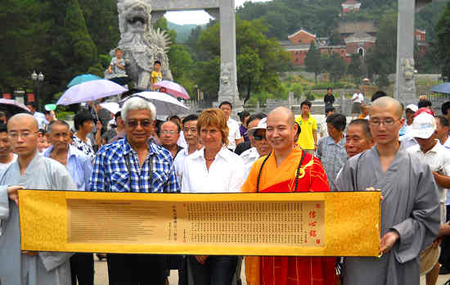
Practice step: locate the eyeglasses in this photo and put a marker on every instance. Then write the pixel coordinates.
(387, 122)
(24, 135)
(143, 123)
(169, 132)
(259, 137)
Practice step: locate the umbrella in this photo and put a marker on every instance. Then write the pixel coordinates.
(442, 88)
(12, 107)
(173, 88)
(90, 91)
(121, 80)
(82, 78)
(165, 104)
(112, 107)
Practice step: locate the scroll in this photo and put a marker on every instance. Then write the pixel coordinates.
(285, 224)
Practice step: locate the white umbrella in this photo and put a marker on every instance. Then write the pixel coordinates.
(90, 91)
(165, 104)
(112, 107)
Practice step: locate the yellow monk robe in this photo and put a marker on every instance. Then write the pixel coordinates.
(289, 270)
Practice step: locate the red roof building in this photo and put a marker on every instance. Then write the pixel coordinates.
(350, 6)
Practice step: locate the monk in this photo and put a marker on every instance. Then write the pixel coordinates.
(410, 207)
(287, 169)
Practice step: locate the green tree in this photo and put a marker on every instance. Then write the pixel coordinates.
(354, 68)
(313, 60)
(382, 59)
(258, 59)
(102, 21)
(335, 65)
(443, 41)
(22, 45)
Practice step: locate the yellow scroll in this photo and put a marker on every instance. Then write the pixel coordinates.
(287, 224)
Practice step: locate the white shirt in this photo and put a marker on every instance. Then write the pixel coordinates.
(359, 98)
(323, 129)
(226, 173)
(249, 157)
(182, 141)
(447, 143)
(4, 166)
(40, 118)
(178, 163)
(233, 134)
(438, 158)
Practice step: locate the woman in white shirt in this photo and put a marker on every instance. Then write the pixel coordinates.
(213, 169)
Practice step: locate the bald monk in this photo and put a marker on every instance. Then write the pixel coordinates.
(278, 173)
(410, 208)
(30, 171)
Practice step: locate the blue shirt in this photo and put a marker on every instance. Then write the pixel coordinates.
(79, 166)
(117, 169)
(333, 157)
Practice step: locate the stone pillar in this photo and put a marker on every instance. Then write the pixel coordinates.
(405, 87)
(228, 71)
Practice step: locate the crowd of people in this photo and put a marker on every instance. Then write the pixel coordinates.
(403, 152)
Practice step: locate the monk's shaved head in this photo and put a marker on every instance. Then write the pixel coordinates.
(285, 111)
(388, 102)
(23, 117)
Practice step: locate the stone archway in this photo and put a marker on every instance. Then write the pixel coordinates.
(223, 11)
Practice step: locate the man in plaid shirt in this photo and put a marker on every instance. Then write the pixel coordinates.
(135, 164)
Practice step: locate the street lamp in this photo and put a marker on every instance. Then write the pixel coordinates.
(37, 79)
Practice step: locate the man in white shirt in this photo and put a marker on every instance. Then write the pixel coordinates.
(357, 99)
(431, 152)
(40, 117)
(257, 135)
(7, 157)
(234, 135)
(190, 135)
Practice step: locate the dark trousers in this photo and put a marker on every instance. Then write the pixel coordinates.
(217, 270)
(136, 269)
(82, 268)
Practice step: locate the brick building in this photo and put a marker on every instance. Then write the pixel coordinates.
(356, 37)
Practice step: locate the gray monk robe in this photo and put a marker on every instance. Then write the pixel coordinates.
(16, 268)
(410, 206)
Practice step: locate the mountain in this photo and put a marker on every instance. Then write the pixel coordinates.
(183, 31)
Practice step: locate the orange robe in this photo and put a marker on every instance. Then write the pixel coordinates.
(280, 270)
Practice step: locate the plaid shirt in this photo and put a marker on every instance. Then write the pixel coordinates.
(117, 169)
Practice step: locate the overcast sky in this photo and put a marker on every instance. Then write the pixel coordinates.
(197, 17)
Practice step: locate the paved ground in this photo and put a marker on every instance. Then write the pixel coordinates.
(101, 275)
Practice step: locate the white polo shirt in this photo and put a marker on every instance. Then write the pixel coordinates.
(249, 157)
(226, 173)
(233, 133)
(438, 158)
(359, 98)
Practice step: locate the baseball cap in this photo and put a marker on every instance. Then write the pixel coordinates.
(423, 126)
(412, 107)
(262, 125)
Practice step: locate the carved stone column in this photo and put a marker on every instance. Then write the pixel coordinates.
(405, 87)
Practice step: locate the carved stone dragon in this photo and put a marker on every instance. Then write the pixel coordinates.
(141, 44)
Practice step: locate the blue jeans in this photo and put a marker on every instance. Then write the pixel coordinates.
(218, 270)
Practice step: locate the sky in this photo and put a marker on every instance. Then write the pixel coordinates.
(197, 17)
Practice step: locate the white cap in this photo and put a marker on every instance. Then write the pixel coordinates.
(412, 107)
(423, 126)
(262, 125)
